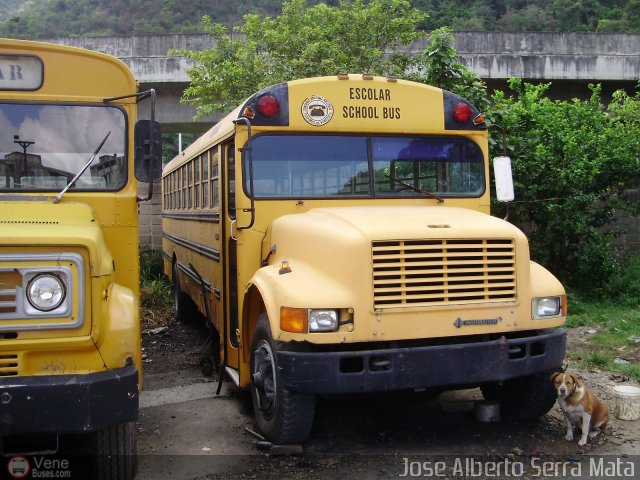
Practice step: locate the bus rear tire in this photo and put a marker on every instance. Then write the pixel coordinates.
(181, 302)
(115, 448)
(284, 417)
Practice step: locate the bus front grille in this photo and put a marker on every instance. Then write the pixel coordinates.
(425, 273)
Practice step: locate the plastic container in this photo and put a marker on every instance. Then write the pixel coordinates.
(626, 402)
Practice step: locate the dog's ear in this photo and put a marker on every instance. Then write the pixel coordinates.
(554, 375)
(576, 380)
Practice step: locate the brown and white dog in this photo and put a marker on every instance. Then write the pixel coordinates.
(580, 406)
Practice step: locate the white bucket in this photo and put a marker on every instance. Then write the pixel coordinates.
(626, 402)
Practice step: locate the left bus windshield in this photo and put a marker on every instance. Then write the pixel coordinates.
(43, 147)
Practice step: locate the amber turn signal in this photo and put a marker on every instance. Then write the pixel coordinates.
(293, 320)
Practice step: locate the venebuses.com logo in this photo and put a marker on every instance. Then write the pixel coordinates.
(38, 467)
(18, 467)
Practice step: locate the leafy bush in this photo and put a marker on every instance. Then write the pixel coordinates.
(571, 160)
(624, 282)
(151, 264)
(155, 290)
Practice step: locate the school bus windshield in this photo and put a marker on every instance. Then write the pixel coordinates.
(295, 166)
(44, 146)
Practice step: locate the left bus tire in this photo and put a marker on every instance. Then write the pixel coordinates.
(283, 416)
(115, 452)
(181, 302)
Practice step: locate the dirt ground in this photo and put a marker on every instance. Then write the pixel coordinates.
(371, 437)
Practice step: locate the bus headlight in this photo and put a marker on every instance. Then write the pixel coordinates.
(46, 292)
(545, 307)
(323, 320)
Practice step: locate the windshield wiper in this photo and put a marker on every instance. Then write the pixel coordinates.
(84, 168)
(416, 189)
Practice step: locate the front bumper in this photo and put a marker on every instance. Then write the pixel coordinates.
(395, 369)
(68, 403)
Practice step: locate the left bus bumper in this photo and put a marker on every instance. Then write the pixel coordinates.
(396, 369)
(68, 403)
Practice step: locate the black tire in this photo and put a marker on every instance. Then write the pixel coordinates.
(283, 416)
(522, 399)
(115, 448)
(183, 310)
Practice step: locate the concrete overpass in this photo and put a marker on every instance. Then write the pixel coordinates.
(569, 60)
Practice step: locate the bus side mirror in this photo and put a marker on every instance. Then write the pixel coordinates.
(503, 179)
(148, 151)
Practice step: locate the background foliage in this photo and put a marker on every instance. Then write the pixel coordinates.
(54, 18)
(303, 42)
(572, 161)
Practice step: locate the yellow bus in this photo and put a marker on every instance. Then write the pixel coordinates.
(336, 233)
(70, 356)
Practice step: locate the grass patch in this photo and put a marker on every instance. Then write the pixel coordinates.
(156, 293)
(609, 335)
(156, 297)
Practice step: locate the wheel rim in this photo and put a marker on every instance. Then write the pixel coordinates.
(264, 378)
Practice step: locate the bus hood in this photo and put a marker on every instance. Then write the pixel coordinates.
(349, 224)
(53, 228)
(379, 253)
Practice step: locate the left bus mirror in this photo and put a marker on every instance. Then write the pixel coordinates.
(504, 180)
(148, 151)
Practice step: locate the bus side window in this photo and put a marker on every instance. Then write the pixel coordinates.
(231, 179)
(215, 190)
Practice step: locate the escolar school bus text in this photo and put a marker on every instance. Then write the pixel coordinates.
(370, 111)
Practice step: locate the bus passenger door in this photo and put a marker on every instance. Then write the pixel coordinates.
(230, 259)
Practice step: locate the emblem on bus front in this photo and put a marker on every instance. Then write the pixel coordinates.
(317, 110)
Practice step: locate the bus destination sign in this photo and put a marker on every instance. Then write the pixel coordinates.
(20, 72)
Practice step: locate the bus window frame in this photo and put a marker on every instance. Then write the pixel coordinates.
(373, 195)
(127, 126)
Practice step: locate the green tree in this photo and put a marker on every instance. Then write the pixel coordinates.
(441, 66)
(572, 161)
(301, 42)
(351, 37)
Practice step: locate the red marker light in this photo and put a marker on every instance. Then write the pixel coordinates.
(462, 112)
(268, 106)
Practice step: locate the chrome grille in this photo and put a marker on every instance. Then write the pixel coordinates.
(413, 273)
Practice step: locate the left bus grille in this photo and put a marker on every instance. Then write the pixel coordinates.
(9, 281)
(8, 365)
(414, 273)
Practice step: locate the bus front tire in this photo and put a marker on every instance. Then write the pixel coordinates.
(115, 448)
(284, 417)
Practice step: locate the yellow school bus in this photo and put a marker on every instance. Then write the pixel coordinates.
(70, 356)
(336, 233)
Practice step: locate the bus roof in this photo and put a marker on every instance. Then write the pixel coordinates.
(344, 104)
(68, 73)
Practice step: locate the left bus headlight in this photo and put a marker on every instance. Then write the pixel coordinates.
(546, 307)
(46, 292)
